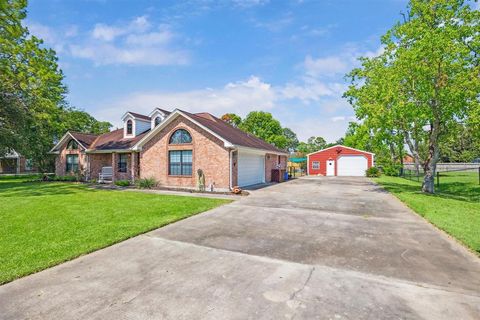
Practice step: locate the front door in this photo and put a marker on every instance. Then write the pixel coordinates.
(330, 167)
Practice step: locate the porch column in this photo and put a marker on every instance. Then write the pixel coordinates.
(114, 166)
(133, 166)
(18, 165)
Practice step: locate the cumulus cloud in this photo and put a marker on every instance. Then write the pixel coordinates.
(326, 66)
(136, 43)
(239, 97)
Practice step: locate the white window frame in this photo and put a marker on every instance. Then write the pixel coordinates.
(315, 165)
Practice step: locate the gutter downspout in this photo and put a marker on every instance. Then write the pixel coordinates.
(231, 168)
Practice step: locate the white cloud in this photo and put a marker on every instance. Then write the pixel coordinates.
(249, 3)
(109, 33)
(326, 66)
(152, 38)
(239, 97)
(319, 127)
(338, 118)
(137, 43)
(105, 32)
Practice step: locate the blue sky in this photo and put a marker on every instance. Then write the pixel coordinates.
(285, 57)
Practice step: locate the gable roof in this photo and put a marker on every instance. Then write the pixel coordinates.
(340, 145)
(165, 112)
(136, 116)
(86, 139)
(83, 139)
(231, 136)
(114, 140)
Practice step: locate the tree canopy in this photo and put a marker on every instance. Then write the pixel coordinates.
(264, 126)
(425, 81)
(33, 109)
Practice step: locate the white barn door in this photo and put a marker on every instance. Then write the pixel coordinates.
(352, 166)
(251, 169)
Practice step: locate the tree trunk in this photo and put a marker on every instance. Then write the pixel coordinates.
(413, 146)
(430, 165)
(428, 185)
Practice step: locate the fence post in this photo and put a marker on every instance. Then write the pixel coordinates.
(438, 179)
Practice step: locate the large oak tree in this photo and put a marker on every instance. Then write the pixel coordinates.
(426, 80)
(33, 109)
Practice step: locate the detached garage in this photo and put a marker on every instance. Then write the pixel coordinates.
(339, 161)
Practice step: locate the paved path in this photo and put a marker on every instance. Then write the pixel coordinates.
(313, 248)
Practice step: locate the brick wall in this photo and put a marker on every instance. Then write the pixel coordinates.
(234, 168)
(61, 160)
(97, 162)
(208, 154)
(271, 162)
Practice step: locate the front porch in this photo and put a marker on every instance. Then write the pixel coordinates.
(124, 165)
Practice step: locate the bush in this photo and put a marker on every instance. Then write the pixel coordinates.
(391, 170)
(122, 183)
(147, 183)
(373, 172)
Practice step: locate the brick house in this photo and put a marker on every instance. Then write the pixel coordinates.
(171, 147)
(14, 163)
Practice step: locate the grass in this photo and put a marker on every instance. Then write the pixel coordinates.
(44, 224)
(455, 208)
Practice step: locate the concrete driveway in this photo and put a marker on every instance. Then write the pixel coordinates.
(313, 248)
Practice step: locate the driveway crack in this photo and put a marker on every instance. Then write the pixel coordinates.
(295, 293)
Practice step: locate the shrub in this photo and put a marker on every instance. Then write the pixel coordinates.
(147, 183)
(373, 172)
(391, 170)
(122, 183)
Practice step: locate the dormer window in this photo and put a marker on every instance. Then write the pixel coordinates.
(72, 145)
(129, 127)
(157, 121)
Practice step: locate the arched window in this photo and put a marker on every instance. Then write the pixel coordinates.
(180, 136)
(129, 127)
(157, 121)
(72, 145)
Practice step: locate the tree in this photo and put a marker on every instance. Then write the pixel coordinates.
(232, 119)
(425, 81)
(460, 145)
(33, 110)
(313, 144)
(264, 126)
(292, 140)
(81, 121)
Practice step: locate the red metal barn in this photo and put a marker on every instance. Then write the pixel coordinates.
(339, 161)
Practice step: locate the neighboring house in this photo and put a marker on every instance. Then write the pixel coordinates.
(15, 163)
(339, 161)
(171, 147)
(408, 159)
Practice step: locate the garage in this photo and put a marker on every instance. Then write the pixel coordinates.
(339, 160)
(251, 169)
(353, 166)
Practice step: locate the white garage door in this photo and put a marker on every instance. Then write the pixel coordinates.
(251, 169)
(351, 166)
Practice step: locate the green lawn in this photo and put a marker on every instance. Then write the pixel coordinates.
(455, 208)
(44, 224)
